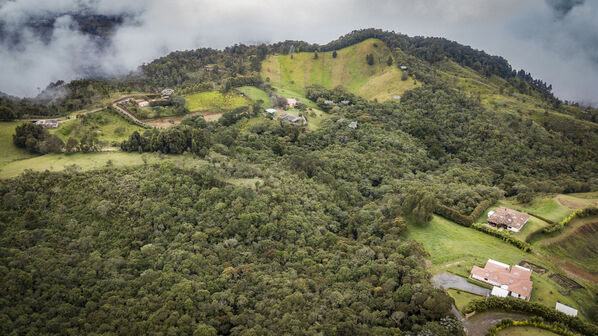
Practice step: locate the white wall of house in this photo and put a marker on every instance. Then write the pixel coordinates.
(486, 280)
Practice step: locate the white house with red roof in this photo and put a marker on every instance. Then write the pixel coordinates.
(514, 281)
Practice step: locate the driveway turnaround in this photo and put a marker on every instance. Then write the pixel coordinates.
(448, 280)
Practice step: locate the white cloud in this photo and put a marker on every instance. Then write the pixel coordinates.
(527, 33)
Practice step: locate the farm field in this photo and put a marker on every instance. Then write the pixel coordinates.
(214, 101)
(456, 249)
(90, 161)
(348, 69)
(8, 151)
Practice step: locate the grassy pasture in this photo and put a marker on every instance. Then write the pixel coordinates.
(108, 126)
(90, 161)
(214, 101)
(348, 69)
(256, 94)
(8, 151)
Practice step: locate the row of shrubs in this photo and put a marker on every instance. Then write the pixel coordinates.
(511, 304)
(580, 213)
(536, 322)
(520, 244)
(460, 218)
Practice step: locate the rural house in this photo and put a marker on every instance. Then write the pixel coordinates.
(292, 102)
(514, 281)
(353, 125)
(47, 123)
(143, 104)
(271, 111)
(293, 119)
(508, 218)
(166, 93)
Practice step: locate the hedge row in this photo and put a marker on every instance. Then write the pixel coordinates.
(580, 213)
(520, 244)
(517, 305)
(506, 323)
(460, 218)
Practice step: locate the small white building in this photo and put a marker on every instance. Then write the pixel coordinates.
(271, 111)
(500, 292)
(143, 104)
(403, 67)
(47, 123)
(353, 125)
(396, 97)
(566, 309)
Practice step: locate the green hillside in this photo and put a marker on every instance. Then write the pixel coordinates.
(349, 69)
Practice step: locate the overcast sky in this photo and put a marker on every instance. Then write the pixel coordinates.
(555, 40)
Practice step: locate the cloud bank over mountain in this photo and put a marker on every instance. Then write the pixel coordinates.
(43, 41)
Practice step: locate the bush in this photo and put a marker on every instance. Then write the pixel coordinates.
(460, 218)
(580, 213)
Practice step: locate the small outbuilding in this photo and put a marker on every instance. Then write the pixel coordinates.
(353, 125)
(396, 97)
(566, 309)
(143, 104)
(47, 123)
(271, 111)
(403, 67)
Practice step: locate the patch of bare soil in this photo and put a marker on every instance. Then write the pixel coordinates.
(535, 268)
(571, 204)
(575, 271)
(565, 282)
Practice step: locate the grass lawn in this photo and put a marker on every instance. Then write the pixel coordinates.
(89, 161)
(525, 331)
(8, 151)
(461, 298)
(256, 94)
(214, 101)
(547, 207)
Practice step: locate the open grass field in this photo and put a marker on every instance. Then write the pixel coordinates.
(454, 248)
(461, 298)
(525, 331)
(214, 101)
(90, 161)
(349, 69)
(108, 126)
(8, 151)
(256, 94)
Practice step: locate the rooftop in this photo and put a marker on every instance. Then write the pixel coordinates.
(517, 278)
(508, 217)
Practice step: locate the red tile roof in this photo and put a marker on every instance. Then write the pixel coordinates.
(516, 278)
(508, 217)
